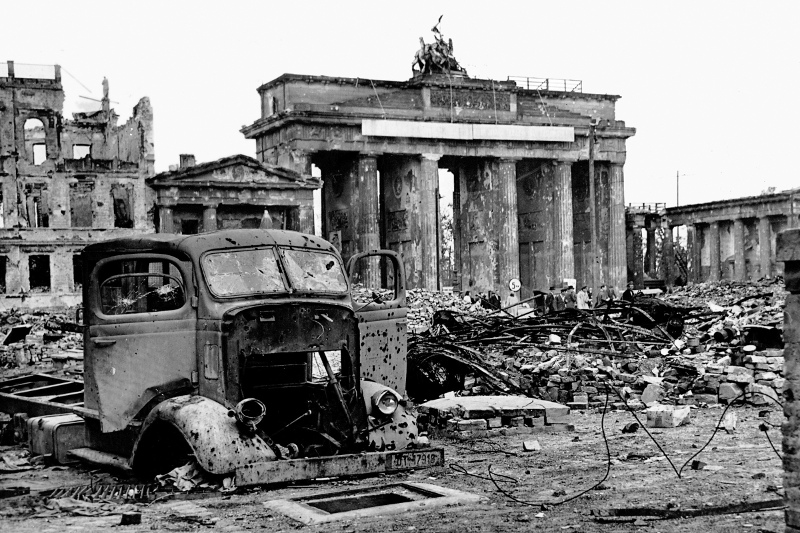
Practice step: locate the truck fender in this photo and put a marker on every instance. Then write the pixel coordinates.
(397, 432)
(215, 438)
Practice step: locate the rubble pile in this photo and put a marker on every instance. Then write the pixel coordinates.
(37, 337)
(706, 343)
(423, 304)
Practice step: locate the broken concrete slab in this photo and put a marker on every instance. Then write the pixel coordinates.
(509, 406)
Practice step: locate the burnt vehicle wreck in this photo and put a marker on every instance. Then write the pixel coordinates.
(242, 348)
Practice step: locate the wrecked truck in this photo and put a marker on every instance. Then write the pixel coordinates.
(243, 349)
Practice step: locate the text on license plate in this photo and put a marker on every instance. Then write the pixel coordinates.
(422, 459)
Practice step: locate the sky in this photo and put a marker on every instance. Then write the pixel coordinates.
(707, 85)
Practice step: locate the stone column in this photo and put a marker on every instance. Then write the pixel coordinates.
(650, 254)
(617, 273)
(739, 268)
(668, 256)
(165, 223)
(210, 218)
(693, 241)
(713, 250)
(765, 247)
(508, 225)
(788, 252)
(428, 240)
(368, 222)
(564, 266)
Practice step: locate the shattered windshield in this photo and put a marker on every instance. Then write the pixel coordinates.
(314, 271)
(243, 272)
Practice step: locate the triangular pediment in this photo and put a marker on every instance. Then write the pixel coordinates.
(234, 171)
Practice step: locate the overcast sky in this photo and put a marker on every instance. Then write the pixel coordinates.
(707, 85)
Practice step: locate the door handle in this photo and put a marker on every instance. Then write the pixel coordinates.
(104, 342)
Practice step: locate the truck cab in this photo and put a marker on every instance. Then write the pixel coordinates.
(245, 350)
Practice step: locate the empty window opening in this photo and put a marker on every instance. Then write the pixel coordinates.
(121, 200)
(79, 151)
(39, 154)
(77, 273)
(80, 203)
(34, 137)
(39, 267)
(190, 227)
(37, 204)
(3, 265)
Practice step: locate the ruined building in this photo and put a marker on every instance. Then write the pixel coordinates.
(66, 183)
(232, 192)
(722, 240)
(520, 152)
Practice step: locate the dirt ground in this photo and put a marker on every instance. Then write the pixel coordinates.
(741, 468)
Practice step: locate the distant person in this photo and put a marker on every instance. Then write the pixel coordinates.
(605, 295)
(583, 298)
(570, 299)
(629, 295)
(558, 301)
(549, 301)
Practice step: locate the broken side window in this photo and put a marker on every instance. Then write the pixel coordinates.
(79, 151)
(147, 285)
(37, 203)
(80, 203)
(39, 273)
(122, 203)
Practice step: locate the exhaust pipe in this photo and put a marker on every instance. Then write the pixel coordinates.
(250, 412)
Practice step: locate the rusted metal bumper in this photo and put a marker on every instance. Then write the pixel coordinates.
(282, 471)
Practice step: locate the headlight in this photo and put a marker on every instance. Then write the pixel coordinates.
(385, 401)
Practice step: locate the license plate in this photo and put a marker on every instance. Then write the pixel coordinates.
(414, 459)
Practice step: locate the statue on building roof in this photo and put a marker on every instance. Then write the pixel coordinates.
(436, 57)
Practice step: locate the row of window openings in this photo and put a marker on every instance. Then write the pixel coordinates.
(33, 125)
(79, 151)
(37, 210)
(39, 273)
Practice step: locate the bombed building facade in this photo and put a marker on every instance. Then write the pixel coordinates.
(230, 193)
(66, 183)
(521, 153)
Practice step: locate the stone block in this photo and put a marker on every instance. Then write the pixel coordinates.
(667, 416)
(765, 376)
(779, 360)
(762, 394)
(514, 421)
(755, 359)
(652, 394)
(728, 391)
(495, 422)
(577, 406)
(778, 383)
(531, 446)
(556, 419)
(455, 424)
(534, 421)
(475, 414)
(705, 398)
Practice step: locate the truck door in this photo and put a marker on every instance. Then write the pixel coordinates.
(379, 300)
(141, 334)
